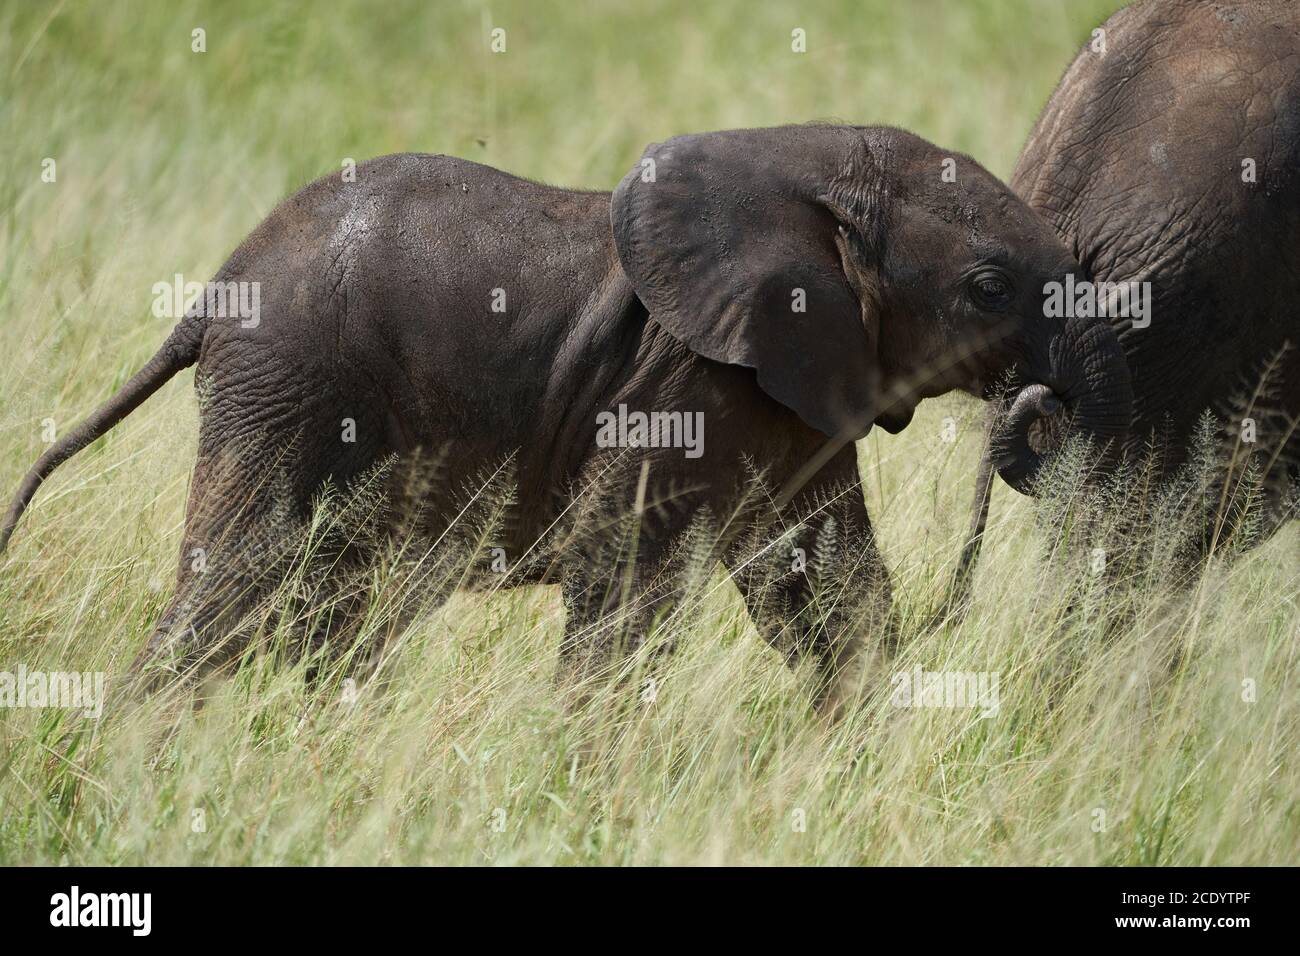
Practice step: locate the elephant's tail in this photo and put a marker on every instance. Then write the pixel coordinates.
(180, 351)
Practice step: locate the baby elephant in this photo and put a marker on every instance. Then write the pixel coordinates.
(745, 302)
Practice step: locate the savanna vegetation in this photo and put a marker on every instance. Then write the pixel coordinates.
(1139, 721)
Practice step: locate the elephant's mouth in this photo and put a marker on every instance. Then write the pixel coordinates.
(895, 418)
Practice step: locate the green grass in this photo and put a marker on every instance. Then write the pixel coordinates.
(1129, 703)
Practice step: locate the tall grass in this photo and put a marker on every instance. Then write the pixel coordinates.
(1125, 733)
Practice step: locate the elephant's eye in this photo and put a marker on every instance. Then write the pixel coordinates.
(990, 290)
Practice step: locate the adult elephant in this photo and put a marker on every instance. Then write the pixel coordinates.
(768, 295)
(1169, 154)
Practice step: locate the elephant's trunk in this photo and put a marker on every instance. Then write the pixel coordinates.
(1085, 371)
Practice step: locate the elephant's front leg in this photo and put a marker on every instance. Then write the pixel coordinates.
(608, 616)
(817, 588)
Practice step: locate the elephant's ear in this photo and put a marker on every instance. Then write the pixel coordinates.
(741, 246)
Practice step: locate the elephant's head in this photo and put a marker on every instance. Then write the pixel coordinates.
(857, 271)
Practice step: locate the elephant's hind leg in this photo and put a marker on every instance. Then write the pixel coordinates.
(240, 536)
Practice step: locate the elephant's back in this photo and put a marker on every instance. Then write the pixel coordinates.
(423, 253)
(1179, 86)
(447, 297)
(1172, 153)
(438, 210)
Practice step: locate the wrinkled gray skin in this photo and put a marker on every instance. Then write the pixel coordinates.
(1137, 163)
(376, 301)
